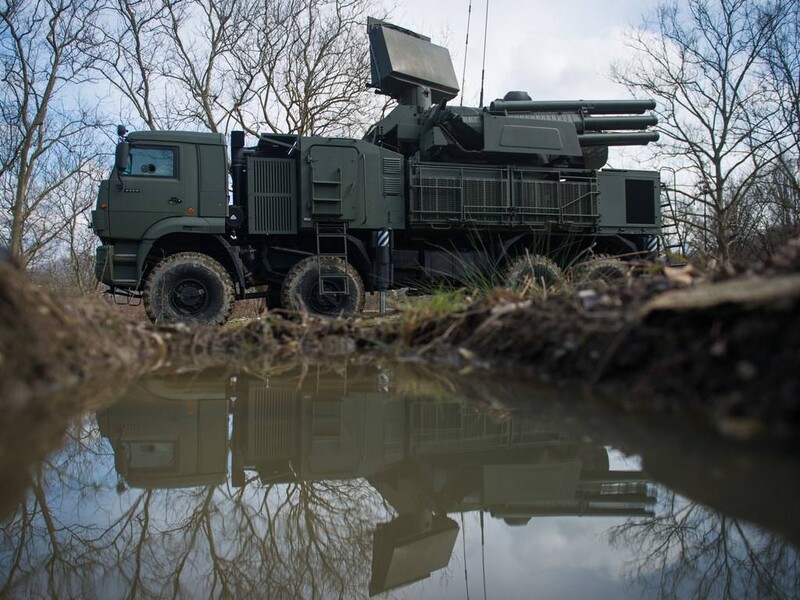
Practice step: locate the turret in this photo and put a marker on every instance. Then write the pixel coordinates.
(515, 129)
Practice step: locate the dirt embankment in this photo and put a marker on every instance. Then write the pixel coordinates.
(55, 358)
(729, 348)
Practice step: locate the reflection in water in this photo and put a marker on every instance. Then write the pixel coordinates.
(319, 484)
(690, 551)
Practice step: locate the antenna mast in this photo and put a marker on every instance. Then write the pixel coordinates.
(466, 49)
(483, 66)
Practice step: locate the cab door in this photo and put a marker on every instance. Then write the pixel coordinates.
(159, 182)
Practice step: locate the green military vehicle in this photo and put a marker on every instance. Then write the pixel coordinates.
(430, 196)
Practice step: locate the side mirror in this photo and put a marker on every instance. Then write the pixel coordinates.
(122, 155)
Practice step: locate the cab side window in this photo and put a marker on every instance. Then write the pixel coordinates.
(152, 162)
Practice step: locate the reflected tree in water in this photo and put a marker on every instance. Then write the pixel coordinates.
(691, 551)
(276, 540)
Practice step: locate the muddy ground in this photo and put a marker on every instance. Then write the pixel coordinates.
(724, 350)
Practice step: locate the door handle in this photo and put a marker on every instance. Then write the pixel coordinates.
(175, 200)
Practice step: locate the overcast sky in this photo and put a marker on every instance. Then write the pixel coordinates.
(552, 50)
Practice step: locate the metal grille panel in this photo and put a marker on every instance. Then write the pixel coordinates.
(501, 196)
(440, 198)
(392, 176)
(271, 195)
(437, 427)
(273, 424)
(485, 200)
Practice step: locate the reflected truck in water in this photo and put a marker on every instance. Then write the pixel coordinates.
(426, 458)
(352, 480)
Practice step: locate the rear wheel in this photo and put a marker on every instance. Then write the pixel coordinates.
(343, 288)
(189, 287)
(532, 271)
(602, 269)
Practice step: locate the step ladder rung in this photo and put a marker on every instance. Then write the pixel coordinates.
(340, 281)
(334, 278)
(670, 238)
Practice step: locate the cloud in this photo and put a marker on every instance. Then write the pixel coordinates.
(550, 557)
(552, 50)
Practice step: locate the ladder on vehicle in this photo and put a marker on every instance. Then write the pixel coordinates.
(670, 239)
(332, 242)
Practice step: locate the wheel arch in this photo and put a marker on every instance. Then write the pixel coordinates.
(359, 259)
(617, 245)
(529, 242)
(217, 247)
(563, 248)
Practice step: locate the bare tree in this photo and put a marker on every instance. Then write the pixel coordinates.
(203, 36)
(47, 140)
(778, 193)
(769, 214)
(719, 123)
(321, 83)
(286, 541)
(781, 75)
(292, 66)
(129, 54)
(690, 551)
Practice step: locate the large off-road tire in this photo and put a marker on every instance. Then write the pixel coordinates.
(188, 287)
(300, 290)
(532, 271)
(606, 269)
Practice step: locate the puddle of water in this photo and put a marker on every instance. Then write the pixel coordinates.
(396, 481)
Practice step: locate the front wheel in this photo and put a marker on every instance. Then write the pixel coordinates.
(189, 287)
(341, 291)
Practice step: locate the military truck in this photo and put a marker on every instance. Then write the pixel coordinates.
(432, 195)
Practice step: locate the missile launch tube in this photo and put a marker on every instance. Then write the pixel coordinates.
(612, 123)
(590, 107)
(639, 138)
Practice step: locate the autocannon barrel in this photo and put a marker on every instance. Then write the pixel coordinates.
(589, 107)
(638, 138)
(612, 123)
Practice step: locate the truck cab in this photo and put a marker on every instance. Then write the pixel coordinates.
(171, 183)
